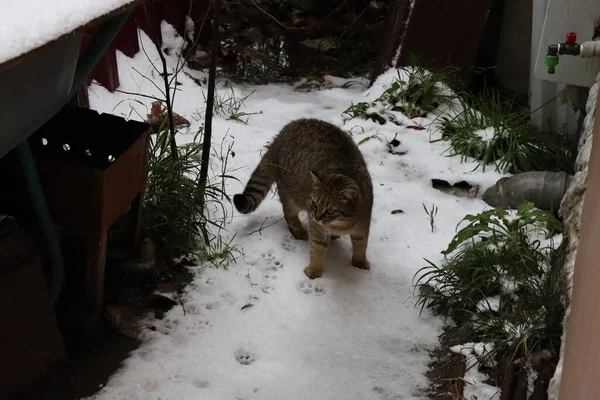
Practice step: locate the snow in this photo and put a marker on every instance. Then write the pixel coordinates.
(27, 25)
(489, 304)
(486, 134)
(475, 387)
(351, 334)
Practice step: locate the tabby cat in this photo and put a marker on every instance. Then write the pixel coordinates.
(318, 168)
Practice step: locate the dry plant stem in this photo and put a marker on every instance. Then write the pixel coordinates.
(181, 60)
(263, 226)
(165, 77)
(210, 99)
(138, 94)
(150, 14)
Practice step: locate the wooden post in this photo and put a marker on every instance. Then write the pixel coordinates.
(391, 39)
(580, 379)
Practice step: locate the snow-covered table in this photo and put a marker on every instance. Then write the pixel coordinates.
(28, 25)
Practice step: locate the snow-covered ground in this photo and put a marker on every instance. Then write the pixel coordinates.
(351, 334)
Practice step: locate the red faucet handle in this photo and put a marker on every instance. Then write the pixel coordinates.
(571, 37)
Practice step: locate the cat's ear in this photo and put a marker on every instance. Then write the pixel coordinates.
(349, 195)
(316, 181)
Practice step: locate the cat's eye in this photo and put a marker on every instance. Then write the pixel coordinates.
(313, 203)
(329, 211)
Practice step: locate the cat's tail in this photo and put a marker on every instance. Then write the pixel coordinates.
(258, 186)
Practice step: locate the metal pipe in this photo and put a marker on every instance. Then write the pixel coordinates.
(543, 188)
(570, 48)
(42, 214)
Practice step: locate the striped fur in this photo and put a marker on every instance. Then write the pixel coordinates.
(319, 169)
(258, 186)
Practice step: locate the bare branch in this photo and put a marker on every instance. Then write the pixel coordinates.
(292, 28)
(263, 226)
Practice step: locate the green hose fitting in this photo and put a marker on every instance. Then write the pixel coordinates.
(551, 62)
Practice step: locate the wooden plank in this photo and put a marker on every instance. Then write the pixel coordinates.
(445, 32)
(392, 38)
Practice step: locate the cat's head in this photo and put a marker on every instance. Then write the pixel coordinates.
(333, 199)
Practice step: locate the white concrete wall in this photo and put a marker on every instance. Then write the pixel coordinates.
(514, 46)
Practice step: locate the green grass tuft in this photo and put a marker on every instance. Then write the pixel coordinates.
(515, 146)
(414, 92)
(176, 214)
(228, 106)
(498, 254)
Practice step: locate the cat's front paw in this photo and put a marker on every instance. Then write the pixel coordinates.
(312, 272)
(361, 264)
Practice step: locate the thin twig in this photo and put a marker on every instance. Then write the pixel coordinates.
(250, 279)
(142, 45)
(139, 94)
(263, 226)
(178, 293)
(353, 22)
(179, 67)
(210, 100)
(149, 80)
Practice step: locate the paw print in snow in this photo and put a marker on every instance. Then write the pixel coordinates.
(229, 298)
(166, 325)
(309, 286)
(384, 395)
(268, 289)
(169, 324)
(270, 272)
(276, 265)
(198, 325)
(289, 243)
(270, 275)
(273, 262)
(191, 309)
(244, 357)
(212, 305)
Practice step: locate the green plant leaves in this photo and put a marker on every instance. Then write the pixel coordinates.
(496, 222)
(497, 253)
(515, 146)
(418, 95)
(175, 209)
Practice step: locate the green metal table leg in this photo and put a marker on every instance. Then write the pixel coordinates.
(42, 214)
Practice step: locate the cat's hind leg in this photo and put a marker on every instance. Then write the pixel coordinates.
(359, 250)
(290, 212)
